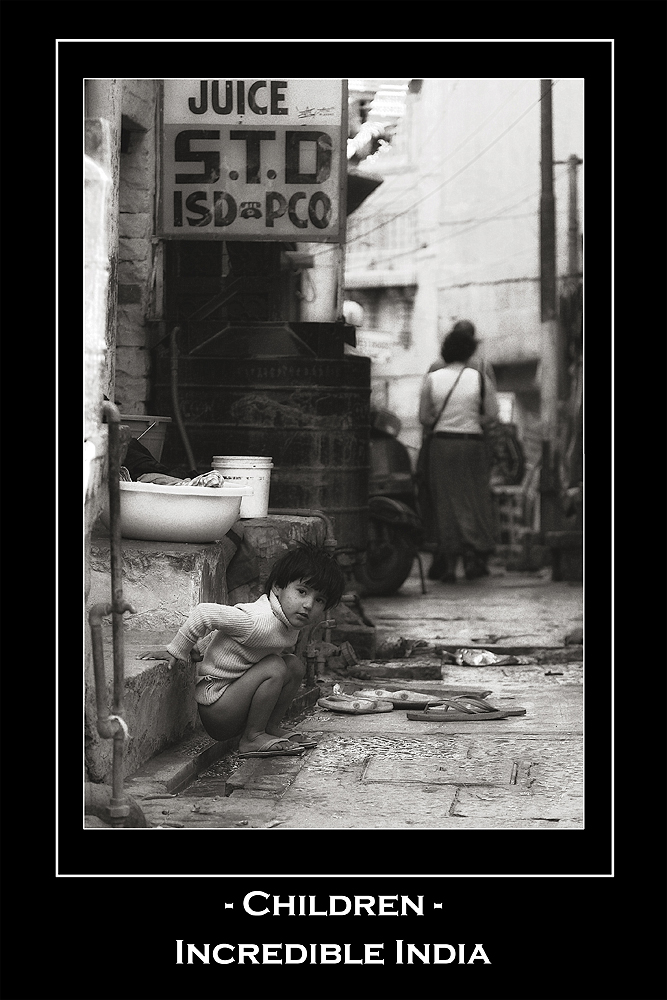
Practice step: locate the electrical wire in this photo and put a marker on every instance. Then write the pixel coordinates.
(447, 180)
(475, 225)
(392, 180)
(492, 263)
(460, 232)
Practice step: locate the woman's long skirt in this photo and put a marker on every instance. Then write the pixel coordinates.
(463, 508)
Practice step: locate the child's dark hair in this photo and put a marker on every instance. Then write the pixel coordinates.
(315, 566)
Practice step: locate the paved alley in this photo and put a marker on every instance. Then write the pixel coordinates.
(387, 771)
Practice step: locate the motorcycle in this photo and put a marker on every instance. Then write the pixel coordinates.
(395, 528)
(398, 533)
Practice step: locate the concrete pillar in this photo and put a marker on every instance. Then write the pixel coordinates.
(102, 142)
(96, 279)
(103, 128)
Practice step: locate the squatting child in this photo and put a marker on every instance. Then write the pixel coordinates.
(249, 675)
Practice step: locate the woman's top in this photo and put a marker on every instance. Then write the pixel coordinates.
(462, 413)
(243, 635)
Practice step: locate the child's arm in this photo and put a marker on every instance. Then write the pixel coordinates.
(157, 653)
(204, 619)
(162, 653)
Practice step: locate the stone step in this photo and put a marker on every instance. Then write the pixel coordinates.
(164, 581)
(178, 765)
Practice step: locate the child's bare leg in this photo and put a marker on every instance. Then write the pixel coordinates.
(250, 705)
(296, 671)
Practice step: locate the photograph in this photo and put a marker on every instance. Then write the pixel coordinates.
(334, 453)
(334, 554)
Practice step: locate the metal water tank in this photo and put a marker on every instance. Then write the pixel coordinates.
(309, 414)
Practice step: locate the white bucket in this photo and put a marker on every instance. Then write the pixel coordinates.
(247, 470)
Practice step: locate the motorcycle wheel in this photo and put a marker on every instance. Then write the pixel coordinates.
(389, 559)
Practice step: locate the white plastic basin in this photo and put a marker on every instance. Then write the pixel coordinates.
(177, 513)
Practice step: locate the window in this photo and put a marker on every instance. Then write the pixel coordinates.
(507, 407)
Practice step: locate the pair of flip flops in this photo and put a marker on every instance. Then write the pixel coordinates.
(399, 699)
(463, 709)
(354, 705)
(299, 742)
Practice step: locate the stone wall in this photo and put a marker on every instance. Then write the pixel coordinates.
(138, 248)
(164, 581)
(96, 350)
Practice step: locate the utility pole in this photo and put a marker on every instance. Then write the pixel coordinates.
(564, 544)
(572, 279)
(549, 387)
(573, 220)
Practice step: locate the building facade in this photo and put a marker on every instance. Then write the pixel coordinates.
(216, 260)
(454, 232)
(445, 224)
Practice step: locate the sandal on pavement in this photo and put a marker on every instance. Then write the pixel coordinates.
(400, 699)
(463, 710)
(269, 749)
(479, 705)
(354, 706)
(301, 740)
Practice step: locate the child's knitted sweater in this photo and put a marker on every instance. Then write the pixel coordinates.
(243, 635)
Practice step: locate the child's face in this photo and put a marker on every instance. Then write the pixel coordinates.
(300, 603)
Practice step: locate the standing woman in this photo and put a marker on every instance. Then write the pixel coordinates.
(454, 401)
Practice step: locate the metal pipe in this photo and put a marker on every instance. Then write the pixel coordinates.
(106, 728)
(118, 808)
(314, 654)
(346, 557)
(149, 428)
(174, 399)
(327, 624)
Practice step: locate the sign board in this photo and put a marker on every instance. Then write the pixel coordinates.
(254, 160)
(379, 347)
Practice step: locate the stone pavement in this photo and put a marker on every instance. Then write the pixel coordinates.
(386, 771)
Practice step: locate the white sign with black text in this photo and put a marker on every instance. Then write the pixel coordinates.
(254, 159)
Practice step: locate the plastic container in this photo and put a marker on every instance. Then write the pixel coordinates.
(152, 512)
(152, 437)
(247, 470)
